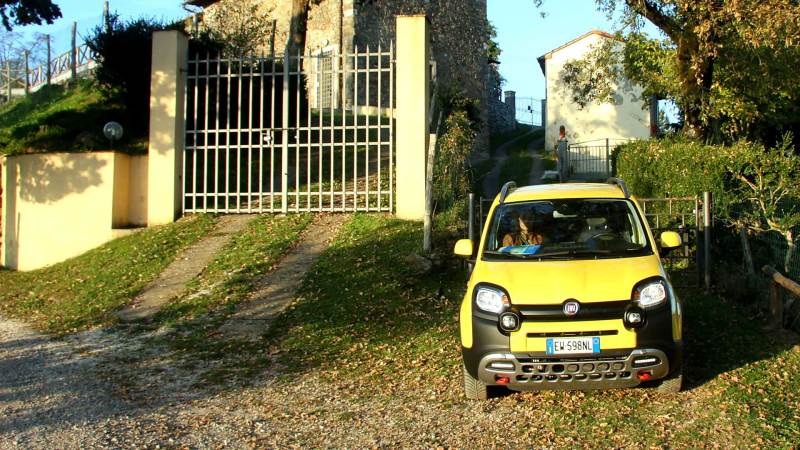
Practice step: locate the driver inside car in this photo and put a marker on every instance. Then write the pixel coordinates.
(526, 235)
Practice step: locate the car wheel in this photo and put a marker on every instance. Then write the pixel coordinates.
(474, 389)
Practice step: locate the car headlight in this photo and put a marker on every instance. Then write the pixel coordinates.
(650, 294)
(491, 300)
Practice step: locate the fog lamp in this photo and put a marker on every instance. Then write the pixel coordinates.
(509, 321)
(634, 317)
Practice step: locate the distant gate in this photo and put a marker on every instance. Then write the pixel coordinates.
(290, 134)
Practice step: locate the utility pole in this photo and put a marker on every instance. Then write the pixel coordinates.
(73, 55)
(27, 72)
(8, 80)
(49, 72)
(106, 17)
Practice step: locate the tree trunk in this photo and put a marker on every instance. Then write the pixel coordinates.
(298, 27)
(787, 260)
(696, 86)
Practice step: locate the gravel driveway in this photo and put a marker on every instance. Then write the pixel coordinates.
(48, 394)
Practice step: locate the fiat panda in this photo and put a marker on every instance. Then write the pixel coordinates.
(567, 291)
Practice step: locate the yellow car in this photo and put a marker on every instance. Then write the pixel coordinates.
(568, 292)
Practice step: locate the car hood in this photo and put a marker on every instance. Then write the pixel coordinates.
(552, 282)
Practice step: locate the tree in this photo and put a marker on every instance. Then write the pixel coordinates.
(27, 12)
(728, 64)
(765, 192)
(241, 26)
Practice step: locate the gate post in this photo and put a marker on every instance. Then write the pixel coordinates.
(412, 114)
(8, 213)
(167, 127)
(707, 224)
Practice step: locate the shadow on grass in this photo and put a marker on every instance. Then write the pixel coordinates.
(720, 337)
(362, 302)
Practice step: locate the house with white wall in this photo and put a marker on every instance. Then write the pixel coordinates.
(626, 118)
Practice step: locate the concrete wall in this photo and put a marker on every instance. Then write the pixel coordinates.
(626, 118)
(60, 205)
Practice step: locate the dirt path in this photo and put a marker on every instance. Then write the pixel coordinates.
(275, 290)
(186, 266)
(491, 182)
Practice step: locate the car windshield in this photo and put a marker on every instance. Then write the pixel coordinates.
(566, 229)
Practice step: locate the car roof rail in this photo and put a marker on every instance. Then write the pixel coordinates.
(506, 190)
(621, 184)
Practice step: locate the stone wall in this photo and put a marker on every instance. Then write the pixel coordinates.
(458, 32)
(501, 114)
(458, 36)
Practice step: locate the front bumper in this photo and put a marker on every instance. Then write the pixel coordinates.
(526, 373)
(654, 339)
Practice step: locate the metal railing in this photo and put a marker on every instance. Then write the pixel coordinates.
(589, 160)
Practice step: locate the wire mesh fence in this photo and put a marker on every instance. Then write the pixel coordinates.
(772, 249)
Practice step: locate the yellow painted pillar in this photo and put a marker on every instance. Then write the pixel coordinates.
(413, 97)
(165, 158)
(8, 213)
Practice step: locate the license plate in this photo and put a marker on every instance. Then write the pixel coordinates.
(570, 346)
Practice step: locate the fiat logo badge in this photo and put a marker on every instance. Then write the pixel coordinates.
(571, 308)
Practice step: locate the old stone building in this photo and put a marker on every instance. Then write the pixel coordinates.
(458, 32)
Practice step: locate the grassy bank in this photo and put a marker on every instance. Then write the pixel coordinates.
(84, 291)
(57, 118)
(519, 163)
(496, 140)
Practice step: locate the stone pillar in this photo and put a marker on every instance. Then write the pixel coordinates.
(413, 97)
(544, 114)
(167, 133)
(511, 100)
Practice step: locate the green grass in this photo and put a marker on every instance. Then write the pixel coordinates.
(84, 291)
(230, 275)
(499, 139)
(519, 163)
(210, 298)
(56, 118)
(479, 172)
(380, 331)
(516, 168)
(361, 295)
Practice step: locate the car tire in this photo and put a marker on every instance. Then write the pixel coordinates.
(671, 384)
(474, 389)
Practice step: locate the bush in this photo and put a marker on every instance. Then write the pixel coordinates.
(671, 167)
(451, 170)
(451, 177)
(754, 186)
(124, 55)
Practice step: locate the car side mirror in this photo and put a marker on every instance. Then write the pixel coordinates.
(464, 248)
(670, 240)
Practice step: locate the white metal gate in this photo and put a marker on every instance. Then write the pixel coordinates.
(259, 137)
